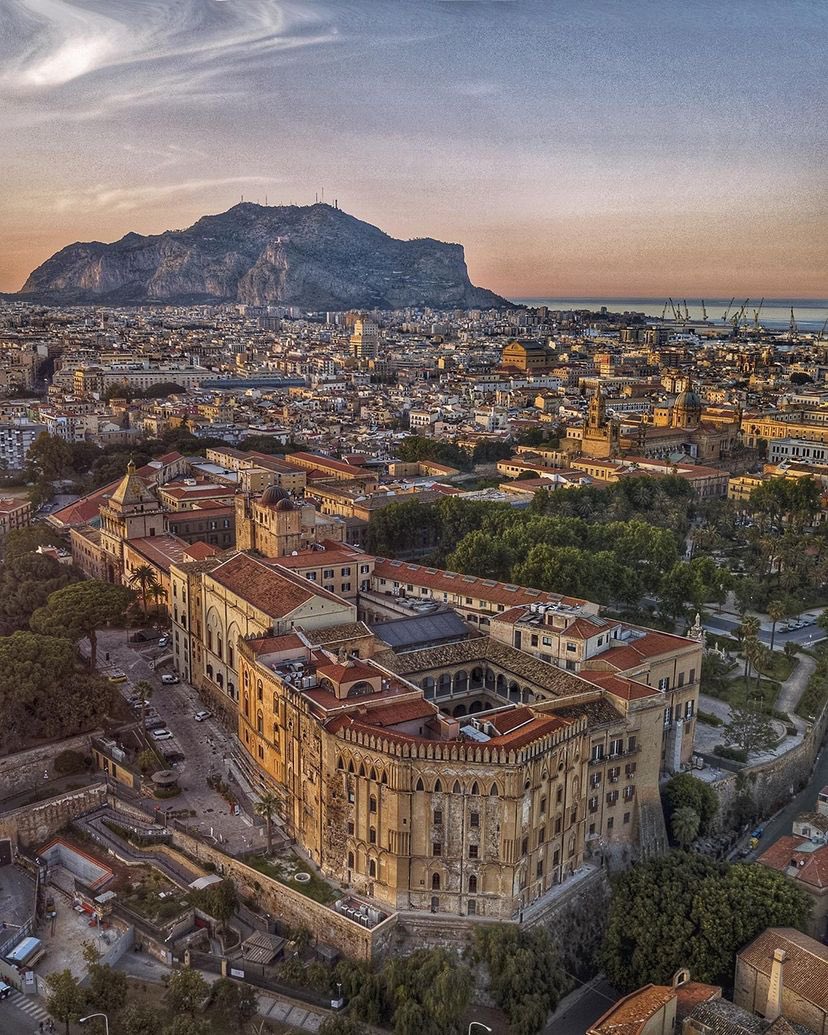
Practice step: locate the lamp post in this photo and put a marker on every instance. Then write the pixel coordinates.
(92, 1016)
(478, 1024)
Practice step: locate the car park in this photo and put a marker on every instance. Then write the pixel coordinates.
(169, 677)
(202, 715)
(161, 734)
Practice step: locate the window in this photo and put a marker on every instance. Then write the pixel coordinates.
(680, 679)
(558, 823)
(631, 744)
(350, 860)
(372, 804)
(472, 907)
(689, 708)
(419, 786)
(310, 576)
(259, 723)
(593, 804)
(372, 869)
(629, 768)
(435, 882)
(692, 676)
(572, 647)
(616, 747)
(597, 752)
(591, 829)
(559, 795)
(539, 868)
(350, 826)
(556, 858)
(472, 885)
(668, 717)
(524, 846)
(614, 773)
(612, 797)
(438, 817)
(629, 792)
(473, 849)
(610, 823)
(372, 835)
(328, 573)
(344, 571)
(664, 683)
(364, 569)
(543, 806)
(626, 817)
(595, 780)
(436, 848)
(346, 587)
(474, 819)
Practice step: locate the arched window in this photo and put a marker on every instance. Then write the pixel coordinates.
(339, 763)
(351, 766)
(438, 787)
(373, 774)
(493, 791)
(372, 869)
(247, 706)
(220, 679)
(457, 789)
(372, 804)
(350, 860)
(472, 885)
(246, 679)
(372, 835)
(474, 788)
(435, 882)
(420, 786)
(259, 690)
(384, 779)
(276, 733)
(259, 723)
(361, 769)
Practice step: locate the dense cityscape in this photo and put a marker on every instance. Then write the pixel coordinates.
(413, 518)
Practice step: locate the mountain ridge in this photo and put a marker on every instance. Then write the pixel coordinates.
(313, 257)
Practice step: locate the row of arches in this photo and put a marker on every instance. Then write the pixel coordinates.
(476, 788)
(449, 684)
(369, 773)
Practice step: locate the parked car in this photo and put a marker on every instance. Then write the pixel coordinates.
(169, 677)
(164, 641)
(5, 990)
(154, 724)
(117, 676)
(202, 715)
(161, 734)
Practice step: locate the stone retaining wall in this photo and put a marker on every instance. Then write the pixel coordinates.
(23, 771)
(31, 825)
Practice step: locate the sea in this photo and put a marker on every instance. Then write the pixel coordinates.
(810, 313)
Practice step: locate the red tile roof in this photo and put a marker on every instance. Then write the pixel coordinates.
(812, 866)
(262, 586)
(619, 686)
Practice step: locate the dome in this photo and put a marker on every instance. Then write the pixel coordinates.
(689, 399)
(273, 495)
(285, 504)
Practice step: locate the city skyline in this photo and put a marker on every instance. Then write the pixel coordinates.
(575, 149)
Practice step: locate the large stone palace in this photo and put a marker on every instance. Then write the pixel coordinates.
(436, 741)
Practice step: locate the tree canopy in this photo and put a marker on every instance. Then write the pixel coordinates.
(685, 791)
(684, 910)
(80, 610)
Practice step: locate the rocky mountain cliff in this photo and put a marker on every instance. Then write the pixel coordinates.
(314, 257)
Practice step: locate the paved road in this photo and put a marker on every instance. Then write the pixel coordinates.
(21, 1015)
(805, 637)
(203, 744)
(794, 686)
(582, 1008)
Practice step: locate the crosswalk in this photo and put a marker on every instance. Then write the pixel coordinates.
(30, 1005)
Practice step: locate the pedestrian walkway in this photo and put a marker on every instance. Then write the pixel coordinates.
(794, 686)
(31, 1005)
(285, 1012)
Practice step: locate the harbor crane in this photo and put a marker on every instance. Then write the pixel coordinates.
(664, 310)
(673, 307)
(737, 319)
(756, 325)
(793, 330)
(704, 311)
(725, 313)
(686, 311)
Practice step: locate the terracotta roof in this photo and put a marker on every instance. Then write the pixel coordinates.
(162, 550)
(812, 864)
(86, 508)
(336, 633)
(465, 585)
(630, 1014)
(805, 971)
(274, 644)
(198, 551)
(620, 686)
(261, 585)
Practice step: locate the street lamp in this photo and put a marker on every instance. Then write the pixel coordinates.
(92, 1016)
(477, 1024)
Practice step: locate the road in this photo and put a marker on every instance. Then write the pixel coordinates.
(205, 745)
(21, 1014)
(805, 637)
(581, 1008)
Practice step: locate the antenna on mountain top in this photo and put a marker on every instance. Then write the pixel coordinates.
(265, 200)
(242, 198)
(323, 195)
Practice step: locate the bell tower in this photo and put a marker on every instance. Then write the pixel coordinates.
(131, 512)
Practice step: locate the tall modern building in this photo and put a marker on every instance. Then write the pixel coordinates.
(365, 339)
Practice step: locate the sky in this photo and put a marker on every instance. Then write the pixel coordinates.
(574, 147)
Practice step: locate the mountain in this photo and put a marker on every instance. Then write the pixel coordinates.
(314, 257)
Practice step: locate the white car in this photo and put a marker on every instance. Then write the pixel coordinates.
(169, 677)
(161, 735)
(201, 716)
(164, 641)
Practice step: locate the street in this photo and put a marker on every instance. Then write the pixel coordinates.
(204, 745)
(582, 1008)
(21, 1014)
(805, 637)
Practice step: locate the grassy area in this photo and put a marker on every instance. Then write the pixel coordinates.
(780, 666)
(736, 692)
(153, 897)
(283, 869)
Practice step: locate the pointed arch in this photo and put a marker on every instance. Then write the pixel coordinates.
(438, 787)
(420, 785)
(457, 789)
(474, 788)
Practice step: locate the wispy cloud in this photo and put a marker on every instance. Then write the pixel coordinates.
(145, 48)
(125, 199)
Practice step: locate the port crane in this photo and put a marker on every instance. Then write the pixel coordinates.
(725, 313)
(756, 325)
(704, 311)
(793, 330)
(737, 319)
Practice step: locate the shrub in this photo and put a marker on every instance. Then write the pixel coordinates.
(734, 754)
(69, 762)
(709, 718)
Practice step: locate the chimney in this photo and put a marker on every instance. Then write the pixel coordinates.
(775, 985)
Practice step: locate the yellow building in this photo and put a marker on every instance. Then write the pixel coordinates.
(530, 357)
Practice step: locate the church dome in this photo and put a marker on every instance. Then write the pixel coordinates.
(272, 495)
(688, 400)
(285, 504)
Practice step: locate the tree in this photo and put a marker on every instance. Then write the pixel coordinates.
(79, 610)
(144, 690)
(107, 988)
(267, 807)
(21, 541)
(776, 612)
(749, 729)
(685, 825)
(187, 990)
(683, 790)
(144, 579)
(187, 1026)
(66, 1000)
(219, 900)
(148, 761)
(233, 1001)
(527, 980)
(790, 649)
(139, 1020)
(48, 458)
(341, 1024)
(683, 910)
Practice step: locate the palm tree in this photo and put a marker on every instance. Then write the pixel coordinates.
(776, 612)
(158, 594)
(267, 806)
(685, 825)
(144, 691)
(145, 579)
